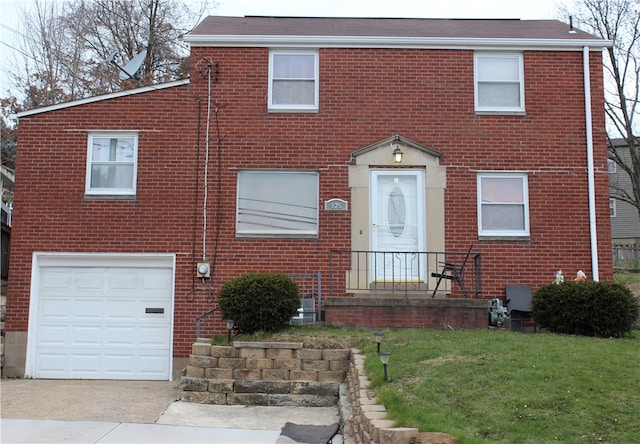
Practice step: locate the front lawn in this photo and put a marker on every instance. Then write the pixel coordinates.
(502, 387)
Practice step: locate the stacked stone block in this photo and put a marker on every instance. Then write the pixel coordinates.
(264, 373)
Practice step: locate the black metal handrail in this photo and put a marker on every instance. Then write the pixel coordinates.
(402, 272)
(201, 317)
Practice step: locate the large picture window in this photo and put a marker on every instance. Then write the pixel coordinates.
(293, 81)
(499, 82)
(503, 204)
(112, 163)
(277, 203)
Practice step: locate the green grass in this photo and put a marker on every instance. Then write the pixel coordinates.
(502, 387)
(626, 278)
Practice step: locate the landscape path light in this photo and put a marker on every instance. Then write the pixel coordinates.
(384, 357)
(378, 335)
(230, 324)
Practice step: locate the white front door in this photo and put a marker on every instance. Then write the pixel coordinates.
(397, 225)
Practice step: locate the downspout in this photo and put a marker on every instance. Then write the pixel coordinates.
(590, 171)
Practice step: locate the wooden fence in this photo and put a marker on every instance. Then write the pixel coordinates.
(626, 258)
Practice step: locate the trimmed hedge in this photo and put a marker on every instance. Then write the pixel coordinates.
(259, 301)
(603, 309)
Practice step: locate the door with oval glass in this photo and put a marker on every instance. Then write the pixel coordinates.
(397, 225)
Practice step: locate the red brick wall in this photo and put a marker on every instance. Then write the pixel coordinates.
(366, 95)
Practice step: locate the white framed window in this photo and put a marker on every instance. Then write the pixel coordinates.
(503, 204)
(611, 166)
(293, 80)
(499, 82)
(276, 203)
(112, 163)
(612, 207)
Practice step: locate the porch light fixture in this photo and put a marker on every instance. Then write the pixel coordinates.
(378, 335)
(230, 324)
(384, 357)
(397, 154)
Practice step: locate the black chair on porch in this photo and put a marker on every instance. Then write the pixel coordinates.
(454, 272)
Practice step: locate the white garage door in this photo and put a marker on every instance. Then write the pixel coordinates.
(101, 317)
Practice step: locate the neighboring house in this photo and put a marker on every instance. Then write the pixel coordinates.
(625, 222)
(8, 179)
(362, 149)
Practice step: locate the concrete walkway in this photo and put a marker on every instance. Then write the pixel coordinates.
(82, 411)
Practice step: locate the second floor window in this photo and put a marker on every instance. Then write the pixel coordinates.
(111, 163)
(499, 82)
(293, 81)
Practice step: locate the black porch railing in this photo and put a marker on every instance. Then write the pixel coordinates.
(427, 274)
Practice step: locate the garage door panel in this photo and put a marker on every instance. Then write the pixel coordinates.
(53, 335)
(53, 364)
(153, 336)
(85, 365)
(89, 281)
(89, 309)
(122, 279)
(85, 335)
(118, 336)
(150, 361)
(56, 309)
(122, 311)
(56, 279)
(92, 321)
(154, 282)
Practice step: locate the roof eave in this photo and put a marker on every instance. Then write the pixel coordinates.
(100, 98)
(305, 41)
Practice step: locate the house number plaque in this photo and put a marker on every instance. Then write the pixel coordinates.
(335, 205)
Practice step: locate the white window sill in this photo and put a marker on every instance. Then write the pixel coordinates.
(276, 236)
(292, 110)
(109, 197)
(524, 237)
(500, 113)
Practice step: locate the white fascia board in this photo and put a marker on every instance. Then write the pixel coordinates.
(115, 95)
(395, 42)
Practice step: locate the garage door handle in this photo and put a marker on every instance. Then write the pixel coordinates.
(154, 310)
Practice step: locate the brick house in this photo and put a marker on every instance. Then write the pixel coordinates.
(365, 150)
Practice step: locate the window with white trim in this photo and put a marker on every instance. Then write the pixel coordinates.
(293, 81)
(112, 163)
(503, 204)
(611, 166)
(612, 207)
(499, 82)
(277, 203)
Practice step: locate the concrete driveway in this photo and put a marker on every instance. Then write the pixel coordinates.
(100, 411)
(86, 400)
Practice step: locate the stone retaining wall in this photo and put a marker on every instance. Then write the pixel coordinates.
(264, 373)
(285, 374)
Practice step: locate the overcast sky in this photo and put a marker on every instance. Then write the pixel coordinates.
(522, 9)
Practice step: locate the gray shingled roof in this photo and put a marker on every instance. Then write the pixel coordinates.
(215, 27)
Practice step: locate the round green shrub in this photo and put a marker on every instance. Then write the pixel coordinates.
(259, 301)
(603, 309)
